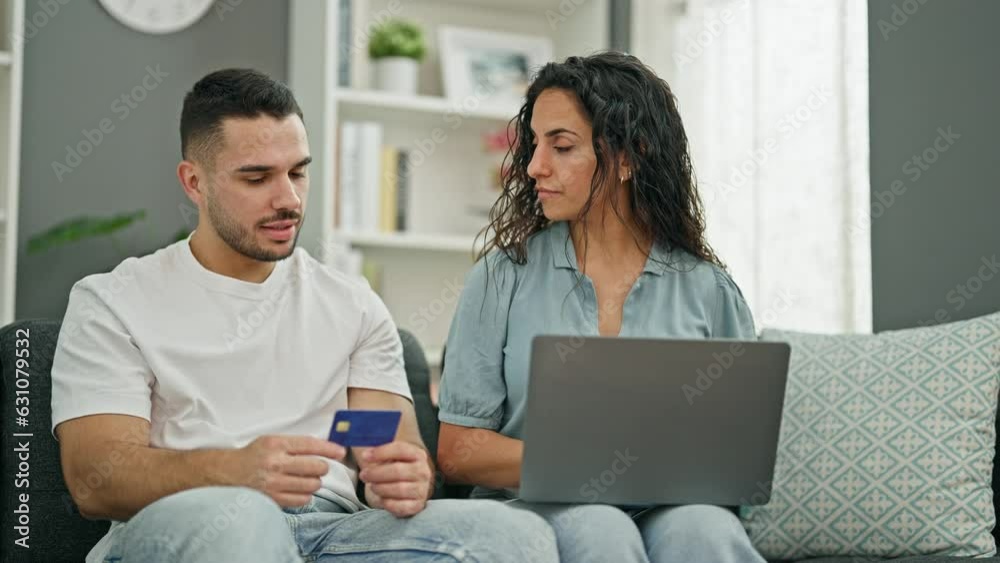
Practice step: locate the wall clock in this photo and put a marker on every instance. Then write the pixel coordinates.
(157, 16)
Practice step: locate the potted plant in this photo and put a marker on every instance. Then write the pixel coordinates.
(85, 227)
(397, 47)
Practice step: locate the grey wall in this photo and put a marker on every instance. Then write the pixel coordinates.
(76, 66)
(620, 24)
(934, 68)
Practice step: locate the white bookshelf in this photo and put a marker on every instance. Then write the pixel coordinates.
(414, 241)
(11, 71)
(372, 104)
(449, 193)
(434, 357)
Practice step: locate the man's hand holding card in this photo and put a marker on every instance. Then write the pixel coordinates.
(397, 474)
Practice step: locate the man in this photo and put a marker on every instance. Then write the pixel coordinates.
(193, 389)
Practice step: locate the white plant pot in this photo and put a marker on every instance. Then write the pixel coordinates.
(396, 74)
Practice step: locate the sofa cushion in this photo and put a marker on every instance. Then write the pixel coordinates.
(58, 533)
(917, 559)
(886, 446)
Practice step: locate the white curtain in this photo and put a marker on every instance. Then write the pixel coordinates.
(774, 96)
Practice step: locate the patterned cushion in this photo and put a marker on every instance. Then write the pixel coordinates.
(886, 446)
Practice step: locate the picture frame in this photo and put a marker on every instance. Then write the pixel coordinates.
(489, 68)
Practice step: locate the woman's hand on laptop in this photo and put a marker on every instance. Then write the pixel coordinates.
(284, 468)
(397, 476)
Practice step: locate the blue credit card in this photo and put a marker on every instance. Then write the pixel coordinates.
(364, 428)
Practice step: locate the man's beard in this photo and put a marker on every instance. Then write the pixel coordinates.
(244, 242)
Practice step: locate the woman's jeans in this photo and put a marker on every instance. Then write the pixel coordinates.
(230, 524)
(602, 533)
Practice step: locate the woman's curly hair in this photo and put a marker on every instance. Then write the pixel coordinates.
(633, 113)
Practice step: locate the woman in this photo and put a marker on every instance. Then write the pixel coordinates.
(599, 230)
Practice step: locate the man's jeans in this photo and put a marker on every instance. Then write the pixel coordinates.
(235, 524)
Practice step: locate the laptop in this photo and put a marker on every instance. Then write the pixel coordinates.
(642, 422)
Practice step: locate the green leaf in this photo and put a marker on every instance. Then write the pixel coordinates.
(80, 228)
(397, 38)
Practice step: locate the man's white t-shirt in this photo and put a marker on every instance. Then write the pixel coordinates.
(216, 362)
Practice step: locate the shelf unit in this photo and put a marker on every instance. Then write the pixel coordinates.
(367, 104)
(413, 241)
(11, 72)
(424, 267)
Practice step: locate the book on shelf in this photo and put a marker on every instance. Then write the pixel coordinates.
(372, 271)
(344, 38)
(402, 189)
(373, 181)
(348, 205)
(388, 188)
(370, 172)
(345, 259)
(360, 168)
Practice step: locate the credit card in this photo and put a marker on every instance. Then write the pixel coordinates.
(364, 428)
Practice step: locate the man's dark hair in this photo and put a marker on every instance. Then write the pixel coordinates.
(233, 92)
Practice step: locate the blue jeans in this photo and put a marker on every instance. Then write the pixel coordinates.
(601, 533)
(223, 524)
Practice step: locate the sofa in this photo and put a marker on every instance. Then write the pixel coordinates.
(57, 533)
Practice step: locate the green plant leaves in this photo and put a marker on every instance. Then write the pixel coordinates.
(80, 228)
(397, 38)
